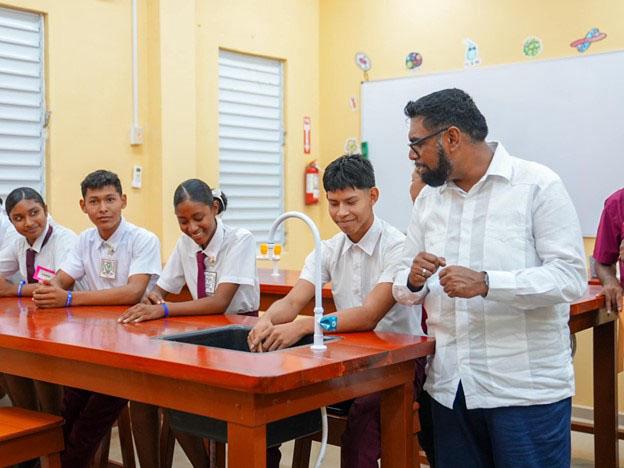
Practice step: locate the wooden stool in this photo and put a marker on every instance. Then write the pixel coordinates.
(25, 435)
(336, 425)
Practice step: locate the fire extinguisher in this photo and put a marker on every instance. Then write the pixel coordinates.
(312, 178)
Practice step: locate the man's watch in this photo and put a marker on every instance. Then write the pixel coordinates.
(486, 280)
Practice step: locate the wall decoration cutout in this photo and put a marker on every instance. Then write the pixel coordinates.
(363, 61)
(353, 103)
(471, 54)
(351, 146)
(532, 46)
(413, 60)
(582, 44)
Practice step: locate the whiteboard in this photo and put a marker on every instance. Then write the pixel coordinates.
(567, 114)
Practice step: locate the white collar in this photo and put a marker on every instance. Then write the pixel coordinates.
(214, 246)
(113, 241)
(368, 242)
(39, 241)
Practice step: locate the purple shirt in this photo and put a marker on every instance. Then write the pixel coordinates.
(611, 232)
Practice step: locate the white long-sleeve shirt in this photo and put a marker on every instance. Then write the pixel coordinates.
(519, 225)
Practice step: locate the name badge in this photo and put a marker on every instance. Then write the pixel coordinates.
(43, 274)
(210, 280)
(108, 268)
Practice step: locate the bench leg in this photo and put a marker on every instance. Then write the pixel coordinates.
(301, 453)
(51, 461)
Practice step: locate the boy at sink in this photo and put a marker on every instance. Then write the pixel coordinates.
(360, 262)
(218, 264)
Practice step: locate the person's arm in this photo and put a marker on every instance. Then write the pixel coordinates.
(55, 294)
(362, 318)
(611, 287)
(211, 305)
(562, 276)
(404, 291)
(280, 312)
(9, 265)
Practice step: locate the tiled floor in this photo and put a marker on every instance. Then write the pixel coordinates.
(582, 451)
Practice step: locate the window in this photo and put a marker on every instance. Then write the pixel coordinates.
(251, 141)
(22, 101)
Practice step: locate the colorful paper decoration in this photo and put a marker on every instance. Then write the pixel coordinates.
(413, 60)
(351, 146)
(471, 53)
(363, 61)
(582, 44)
(532, 46)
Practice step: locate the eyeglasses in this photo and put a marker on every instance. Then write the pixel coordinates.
(416, 144)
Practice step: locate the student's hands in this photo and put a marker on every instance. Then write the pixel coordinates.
(141, 313)
(47, 296)
(459, 281)
(258, 333)
(423, 266)
(283, 335)
(622, 251)
(613, 295)
(153, 297)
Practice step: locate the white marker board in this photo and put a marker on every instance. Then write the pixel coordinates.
(567, 114)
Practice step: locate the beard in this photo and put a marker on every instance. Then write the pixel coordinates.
(439, 175)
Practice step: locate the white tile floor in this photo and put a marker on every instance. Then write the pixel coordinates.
(582, 451)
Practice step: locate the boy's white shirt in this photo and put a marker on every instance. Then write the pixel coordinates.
(355, 269)
(134, 249)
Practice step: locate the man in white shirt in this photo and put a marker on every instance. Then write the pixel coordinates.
(360, 262)
(494, 250)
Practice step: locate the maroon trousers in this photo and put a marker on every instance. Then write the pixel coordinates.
(88, 417)
(361, 440)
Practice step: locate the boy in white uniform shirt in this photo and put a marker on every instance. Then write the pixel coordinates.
(118, 261)
(360, 262)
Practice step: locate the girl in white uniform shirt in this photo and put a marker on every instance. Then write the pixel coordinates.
(40, 243)
(217, 263)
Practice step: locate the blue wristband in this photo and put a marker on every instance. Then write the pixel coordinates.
(69, 299)
(19, 288)
(329, 323)
(166, 309)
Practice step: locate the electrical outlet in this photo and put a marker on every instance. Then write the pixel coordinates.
(136, 135)
(137, 176)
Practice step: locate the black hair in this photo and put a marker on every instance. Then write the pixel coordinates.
(349, 171)
(23, 193)
(100, 179)
(199, 191)
(449, 107)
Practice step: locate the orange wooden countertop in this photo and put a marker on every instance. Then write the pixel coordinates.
(92, 334)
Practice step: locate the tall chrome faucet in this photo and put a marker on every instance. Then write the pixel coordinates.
(318, 344)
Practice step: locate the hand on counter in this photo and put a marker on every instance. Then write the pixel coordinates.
(141, 313)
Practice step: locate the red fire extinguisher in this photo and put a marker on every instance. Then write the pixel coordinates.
(312, 178)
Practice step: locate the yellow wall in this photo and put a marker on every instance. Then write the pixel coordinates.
(88, 71)
(189, 35)
(88, 60)
(388, 30)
